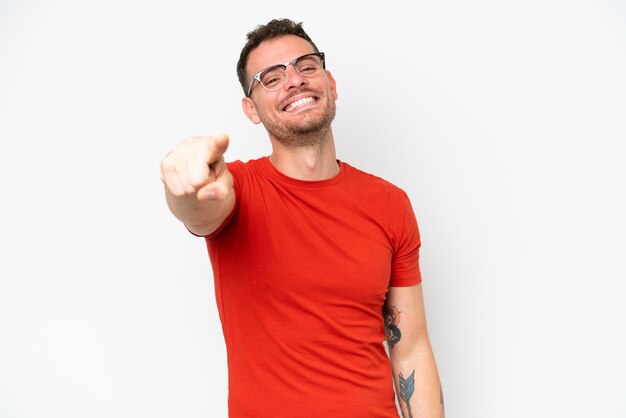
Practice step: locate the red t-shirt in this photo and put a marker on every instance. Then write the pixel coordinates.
(301, 272)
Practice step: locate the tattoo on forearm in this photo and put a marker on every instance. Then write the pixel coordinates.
(391, 316)
(407, 386)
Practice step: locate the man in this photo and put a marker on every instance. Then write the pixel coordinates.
(314, 261)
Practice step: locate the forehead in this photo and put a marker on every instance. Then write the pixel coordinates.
(277, 51)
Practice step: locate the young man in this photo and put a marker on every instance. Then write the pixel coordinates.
(315, 262)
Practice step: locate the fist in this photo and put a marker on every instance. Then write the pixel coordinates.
(197, 167)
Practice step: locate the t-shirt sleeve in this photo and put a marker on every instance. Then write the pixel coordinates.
(405, 269)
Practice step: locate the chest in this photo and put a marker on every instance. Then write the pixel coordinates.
(320, 244)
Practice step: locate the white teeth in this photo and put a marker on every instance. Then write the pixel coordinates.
(299, 103)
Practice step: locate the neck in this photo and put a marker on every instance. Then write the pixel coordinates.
(314, 162)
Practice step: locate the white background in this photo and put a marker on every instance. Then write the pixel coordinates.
(504, 121)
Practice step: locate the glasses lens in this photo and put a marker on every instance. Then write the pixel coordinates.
(273, 77)
(309, 65)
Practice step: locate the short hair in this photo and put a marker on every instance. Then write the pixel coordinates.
(273, 29)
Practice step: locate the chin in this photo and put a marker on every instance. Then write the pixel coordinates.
(309, 128)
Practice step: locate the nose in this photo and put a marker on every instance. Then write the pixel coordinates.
(294, 78)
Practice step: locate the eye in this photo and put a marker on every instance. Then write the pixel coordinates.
(308, 65)
(272, 77)
(271, 81)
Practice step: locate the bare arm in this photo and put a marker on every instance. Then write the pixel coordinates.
(414, 370)
(198, 186)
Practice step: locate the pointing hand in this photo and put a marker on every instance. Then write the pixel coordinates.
(196, 166)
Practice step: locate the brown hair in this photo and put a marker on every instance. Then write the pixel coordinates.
(273, 29)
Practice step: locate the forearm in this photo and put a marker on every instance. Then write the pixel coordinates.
(417, 382)
(414, 370)
(200, 217)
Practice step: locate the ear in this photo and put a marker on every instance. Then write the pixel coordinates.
(250, 110)
(333, 84)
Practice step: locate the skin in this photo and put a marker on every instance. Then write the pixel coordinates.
(302, 140)
(198, 186)
(199, 192)
(413, 353)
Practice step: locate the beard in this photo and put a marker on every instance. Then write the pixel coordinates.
(310, 129)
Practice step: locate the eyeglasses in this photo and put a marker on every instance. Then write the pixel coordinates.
(274, 77)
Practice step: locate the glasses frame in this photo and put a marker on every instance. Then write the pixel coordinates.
(257, 76)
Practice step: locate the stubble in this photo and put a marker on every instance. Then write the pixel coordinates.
(309, 130)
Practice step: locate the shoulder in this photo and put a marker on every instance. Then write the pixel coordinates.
(243, 171)
(238, 165)
(387, 202)
(370, 183)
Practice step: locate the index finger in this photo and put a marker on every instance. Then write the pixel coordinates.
(220, 145)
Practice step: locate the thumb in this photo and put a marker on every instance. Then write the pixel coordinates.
(216, 190)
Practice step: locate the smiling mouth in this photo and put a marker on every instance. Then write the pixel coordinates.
(299, 103)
